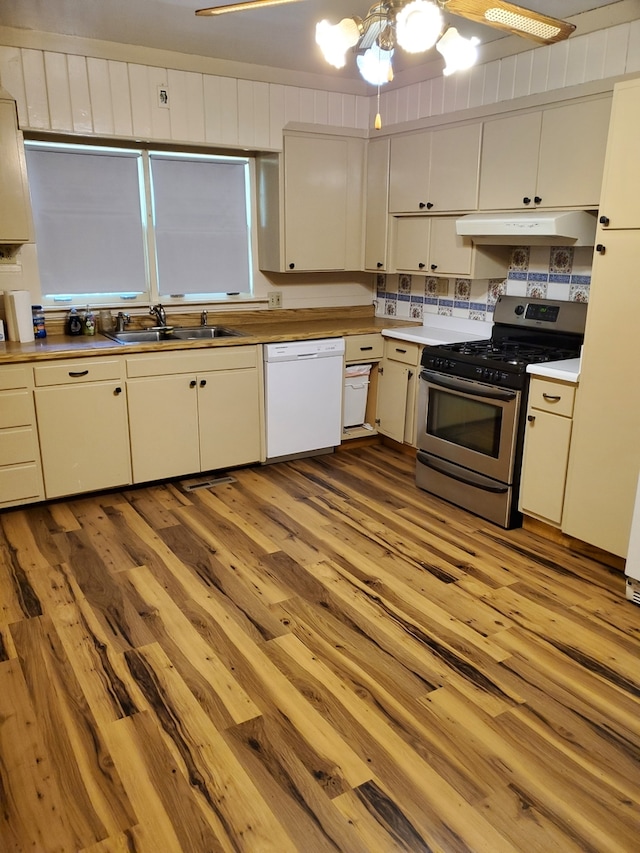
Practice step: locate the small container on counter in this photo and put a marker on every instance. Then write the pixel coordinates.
(107, 322)
(74, 323)
(39, 330)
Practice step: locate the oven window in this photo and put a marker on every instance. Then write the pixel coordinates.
(469, 423)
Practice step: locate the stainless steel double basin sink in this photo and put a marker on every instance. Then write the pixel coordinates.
(172, 333)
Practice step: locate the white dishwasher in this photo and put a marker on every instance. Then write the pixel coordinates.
(303, 396)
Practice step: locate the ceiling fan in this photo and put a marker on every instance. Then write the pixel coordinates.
(494, 13)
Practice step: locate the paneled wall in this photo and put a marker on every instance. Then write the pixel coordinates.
(84, 95)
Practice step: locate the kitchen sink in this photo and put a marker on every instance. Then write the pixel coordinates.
(198, 333)
(178, 333)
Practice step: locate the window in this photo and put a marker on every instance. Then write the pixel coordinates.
(116, 225)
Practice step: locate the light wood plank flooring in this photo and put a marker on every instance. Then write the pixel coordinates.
(315, 657)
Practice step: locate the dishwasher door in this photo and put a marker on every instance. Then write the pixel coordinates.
(303, 396)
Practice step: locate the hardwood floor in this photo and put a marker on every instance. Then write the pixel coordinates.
(315, 657)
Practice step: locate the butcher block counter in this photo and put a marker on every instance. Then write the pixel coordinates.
(257, 327)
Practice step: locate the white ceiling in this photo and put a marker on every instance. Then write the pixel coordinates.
(276, 37)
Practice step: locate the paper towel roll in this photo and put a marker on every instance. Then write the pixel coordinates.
(17, 309)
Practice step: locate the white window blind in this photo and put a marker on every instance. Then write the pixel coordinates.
(88, 219)
(201, 224)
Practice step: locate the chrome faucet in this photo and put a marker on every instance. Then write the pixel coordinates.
(122, 320)
(158, 312)
(203, 318)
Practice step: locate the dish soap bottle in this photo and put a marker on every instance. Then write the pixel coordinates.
(74, 323)
(89, 322)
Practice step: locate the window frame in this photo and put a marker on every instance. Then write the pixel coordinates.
(151, 295)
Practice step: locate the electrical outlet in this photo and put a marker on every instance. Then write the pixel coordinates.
(442, 287)
(275, 299)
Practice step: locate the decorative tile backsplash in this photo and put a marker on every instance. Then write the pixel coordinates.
(548, 272)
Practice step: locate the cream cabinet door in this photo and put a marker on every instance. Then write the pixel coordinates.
(316, 203)
(393, 397)
(409, 173)
(15, 207)
(572, 151)
(448, 253)
(454, 168)
(605, 448)
(163, 425)
(544, 468)
(229, 418)
(411, 250)
(376, 213)
(620, 198)
(20, 470)
(84, 437)
(509, 162)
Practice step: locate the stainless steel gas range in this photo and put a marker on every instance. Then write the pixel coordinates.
(472, 404)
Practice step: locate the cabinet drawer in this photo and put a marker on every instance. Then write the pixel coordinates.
(18, 445)
(200, 361)
(75, 372)
(16, 409)
(20, 482)
(363, 347)
(15, 377)
(401, 351)
(556, 397)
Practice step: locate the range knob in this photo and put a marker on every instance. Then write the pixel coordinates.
(519, 309)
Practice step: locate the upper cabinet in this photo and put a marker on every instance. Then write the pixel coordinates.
(435, 171)
(547, 159)
(376, 239)
(311, 204)
(621, 203)
(15, 209)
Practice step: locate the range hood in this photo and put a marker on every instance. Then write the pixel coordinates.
(530, 228)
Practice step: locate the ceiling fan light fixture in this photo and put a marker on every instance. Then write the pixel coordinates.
(459, 53)
(418, 25)
(375, 65)
(335, 40)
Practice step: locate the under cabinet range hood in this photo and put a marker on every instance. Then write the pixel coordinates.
(530, 228)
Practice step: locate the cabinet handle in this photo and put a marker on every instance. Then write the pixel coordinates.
(421, 205)
(400, 350)
(421, 266)
(193, 383)
(604, 220)
(601, 248)
(429, 205)
(379, 265)
(526, 200)
(410, 374)
(552, 398)
(203, 382)
(537, 199)
(531, 418)
(76, 373)
(292, 266)
(118, 390)
(434, 266)
(365, 349)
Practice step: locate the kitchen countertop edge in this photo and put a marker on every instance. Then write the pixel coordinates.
(567, 370)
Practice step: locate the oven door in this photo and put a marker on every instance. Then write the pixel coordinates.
(471, 424)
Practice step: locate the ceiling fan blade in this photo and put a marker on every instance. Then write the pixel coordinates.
(512, 19)
(239, 7)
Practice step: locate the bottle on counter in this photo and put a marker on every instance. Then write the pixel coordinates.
(89, 322)
(74, 323)
(39, 330)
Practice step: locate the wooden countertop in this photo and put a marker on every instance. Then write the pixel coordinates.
(258, 327)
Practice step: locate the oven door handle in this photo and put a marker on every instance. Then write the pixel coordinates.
(470, 479)
(468, 386)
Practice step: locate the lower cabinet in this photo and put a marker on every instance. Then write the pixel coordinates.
(20, 469)
(397, 386)
(194, 411)
(546, 449)
(82, 425)
(367, 350)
